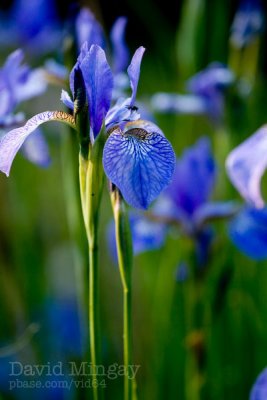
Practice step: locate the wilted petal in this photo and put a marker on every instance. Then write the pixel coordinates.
(134, 72)
(214, 211)
(99, 84)
(13, 140)
(88, 29)
(35, 149)
(246, 164)
(139, 161)
(259, 390)
(248, 231)
(120, 49)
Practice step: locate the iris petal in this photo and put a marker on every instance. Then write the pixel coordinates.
(139, 162)
(246, 165)
(13, 140)
(134, 71)
(259, 390)
(99, 83)
(248, 231)
(120, 50)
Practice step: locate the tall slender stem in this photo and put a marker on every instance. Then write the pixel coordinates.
(91, 185)
(125, 259)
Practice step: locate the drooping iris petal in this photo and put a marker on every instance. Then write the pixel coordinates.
(99, 83)
(139, 161)
(246, 164)
(35, 149)
(213, 211)
(134, 72)
(194, 170)
(11, 142)
(248, 231)
(259, 389)
(88, 29)
(120, 49)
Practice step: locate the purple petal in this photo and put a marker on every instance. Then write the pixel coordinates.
(194, 170)
(248, 231)
(248, 23)
(134, 71)
(246, 164)
(139, 161)
(35, 149)
(120, 112)
(65, 98)
(99, 84)
(11, 142)
(88, 29)
(259, 390)
(213, 211)
(120, 49)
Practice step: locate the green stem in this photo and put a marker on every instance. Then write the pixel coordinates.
(91, 185)
(125, 260)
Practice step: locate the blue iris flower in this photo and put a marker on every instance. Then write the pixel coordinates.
(206, 94)
(248, 23)
(245, 166)
(33, 24)
(185, 203)
(17, 84)
(137, 157)
(259, 389)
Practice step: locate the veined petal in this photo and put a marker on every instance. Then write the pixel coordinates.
(99, 84)
(139, 161)
(13, 140)
(120, 49)
(134, 72)
(248, 231)
(246, 164)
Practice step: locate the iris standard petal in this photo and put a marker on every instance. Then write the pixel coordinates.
(88, 29)
(13, 140)
(120, 49)
(246, 164)
(98, 80)
(140, 162)
(134, 72)
(248, 231)
(259, 390)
